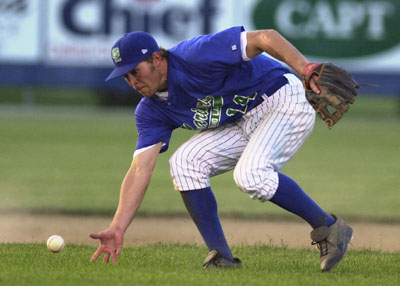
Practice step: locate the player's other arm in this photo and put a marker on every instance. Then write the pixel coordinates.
(276, 45)
(133, 189)
(134, 186)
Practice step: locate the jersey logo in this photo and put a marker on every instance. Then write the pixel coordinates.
(208, 109)
(116, 55)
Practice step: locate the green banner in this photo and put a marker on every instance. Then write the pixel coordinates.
(338, 29)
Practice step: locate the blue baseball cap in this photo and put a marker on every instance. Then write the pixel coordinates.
(130, 50)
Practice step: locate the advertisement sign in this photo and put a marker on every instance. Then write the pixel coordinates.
(359, 35)
(82, 32)
(19, 31)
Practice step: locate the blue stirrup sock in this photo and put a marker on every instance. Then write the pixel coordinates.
(292, 198)
(202, 207)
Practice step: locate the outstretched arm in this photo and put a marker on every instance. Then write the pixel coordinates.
(133, 189)
(274, 44)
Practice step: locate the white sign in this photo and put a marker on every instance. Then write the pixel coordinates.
(19, 31)
(82, 32)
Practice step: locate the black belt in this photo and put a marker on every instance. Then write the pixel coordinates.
(279, 82)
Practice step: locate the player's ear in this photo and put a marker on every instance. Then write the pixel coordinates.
(156, 57)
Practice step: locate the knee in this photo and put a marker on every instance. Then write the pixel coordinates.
(239, 176)
(173, 162)
(259, 183)
(188, 172)
(182, 161)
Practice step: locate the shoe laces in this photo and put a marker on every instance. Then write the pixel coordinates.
(322, 246)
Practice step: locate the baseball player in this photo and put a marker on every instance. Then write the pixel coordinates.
(252, 115)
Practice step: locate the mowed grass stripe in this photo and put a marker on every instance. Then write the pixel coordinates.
(73, 161)
(33, 264)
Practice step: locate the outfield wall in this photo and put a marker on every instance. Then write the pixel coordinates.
(67, 42)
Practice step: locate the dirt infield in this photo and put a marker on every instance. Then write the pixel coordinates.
(75, 229)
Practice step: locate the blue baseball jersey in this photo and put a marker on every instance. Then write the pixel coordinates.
(209, 84)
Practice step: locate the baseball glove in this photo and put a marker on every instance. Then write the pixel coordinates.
(338, 89)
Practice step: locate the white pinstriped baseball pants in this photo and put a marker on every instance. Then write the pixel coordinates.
(257, 146)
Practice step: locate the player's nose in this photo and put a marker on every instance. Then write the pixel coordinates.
(133, 81)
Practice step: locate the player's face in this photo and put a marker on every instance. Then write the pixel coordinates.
(145, 79)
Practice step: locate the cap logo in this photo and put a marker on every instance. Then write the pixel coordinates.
(116, 55)
(144, 51)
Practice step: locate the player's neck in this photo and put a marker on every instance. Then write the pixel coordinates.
(164, 79)
(163, 87)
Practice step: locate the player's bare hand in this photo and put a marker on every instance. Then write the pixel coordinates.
(313, 84)
(111, 242)
(310, 80)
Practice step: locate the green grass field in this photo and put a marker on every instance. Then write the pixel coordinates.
(72, 160)
(33, 264)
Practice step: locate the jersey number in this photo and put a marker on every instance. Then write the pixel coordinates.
(243, 102)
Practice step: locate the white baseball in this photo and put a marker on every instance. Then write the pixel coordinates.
(55, 243)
